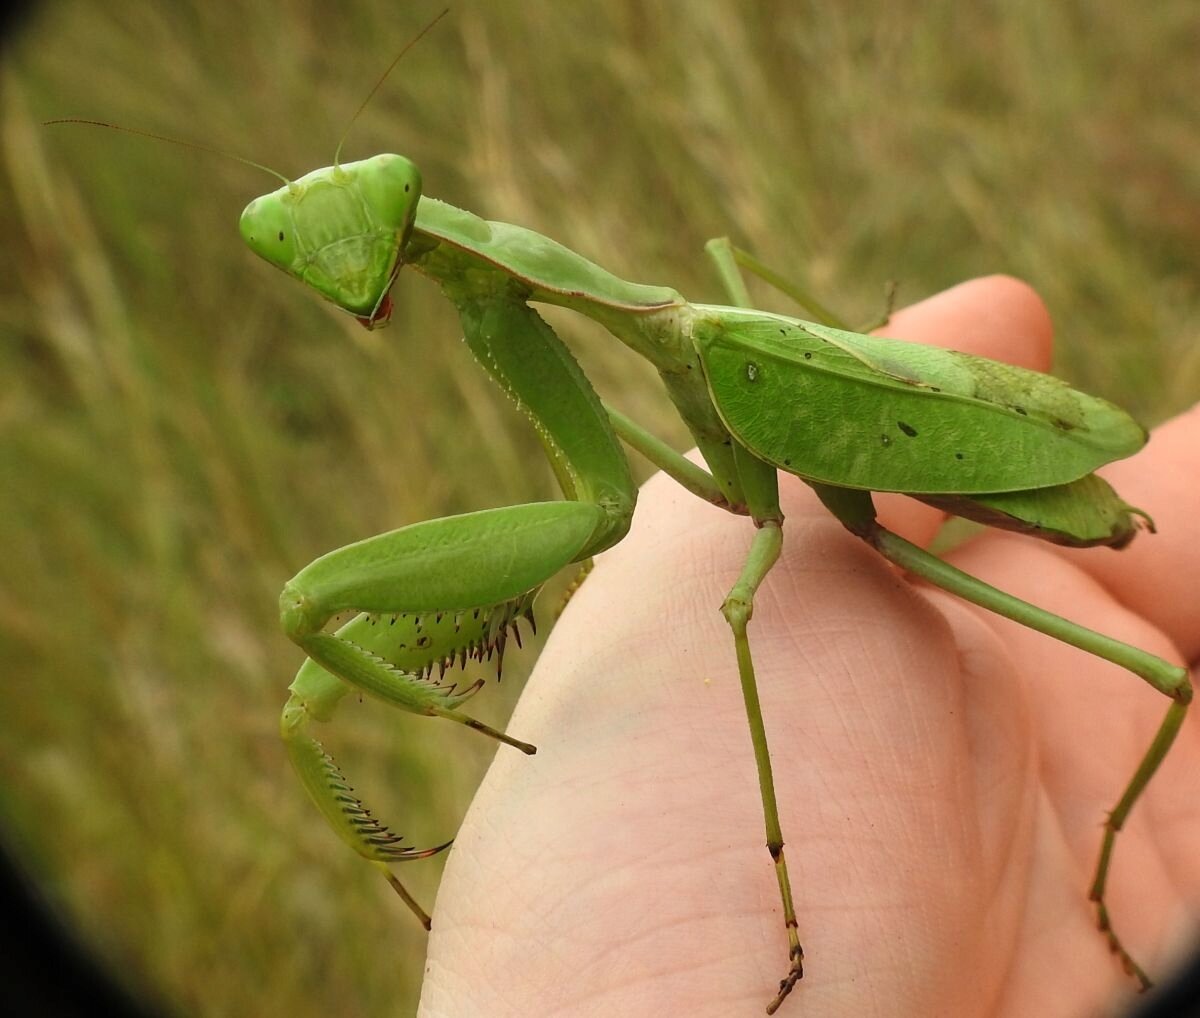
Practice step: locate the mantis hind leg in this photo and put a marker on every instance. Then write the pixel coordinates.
(857, 513)
(730, 260)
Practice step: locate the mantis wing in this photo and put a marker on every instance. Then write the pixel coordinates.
(885, 415)
(1083, 514)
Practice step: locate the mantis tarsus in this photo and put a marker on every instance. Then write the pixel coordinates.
(760, 392)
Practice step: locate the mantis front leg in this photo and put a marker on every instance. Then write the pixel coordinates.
(436, 595)
(433, 596)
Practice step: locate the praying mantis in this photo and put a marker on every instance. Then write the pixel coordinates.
(760, 393)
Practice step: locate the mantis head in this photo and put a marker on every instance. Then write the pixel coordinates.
(341, 230)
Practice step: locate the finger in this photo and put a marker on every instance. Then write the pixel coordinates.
(995, 316)
(1157, 574)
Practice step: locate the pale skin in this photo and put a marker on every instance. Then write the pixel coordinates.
(942, 773)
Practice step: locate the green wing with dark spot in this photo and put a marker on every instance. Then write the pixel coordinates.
(886, 415)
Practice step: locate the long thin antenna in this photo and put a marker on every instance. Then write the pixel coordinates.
(174, 141)
(382, 78)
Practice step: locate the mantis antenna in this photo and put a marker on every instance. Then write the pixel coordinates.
(173, 141)
(212, 150)
(382, 78)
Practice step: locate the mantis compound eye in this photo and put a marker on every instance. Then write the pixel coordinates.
(390, 185)
(266, 226)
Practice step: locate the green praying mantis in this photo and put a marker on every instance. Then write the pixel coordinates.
(850, 414)
(760, 392)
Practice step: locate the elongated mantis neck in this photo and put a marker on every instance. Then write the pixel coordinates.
(467, 254)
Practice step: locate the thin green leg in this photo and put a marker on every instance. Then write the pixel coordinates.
(889, 305)
(759, 481)
(1163, 739)
(722, 252)
(856, 511)
(738, 610)
(727, 259)
(694, 478)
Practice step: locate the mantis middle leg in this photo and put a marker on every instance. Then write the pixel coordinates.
(759, 482)
(738, 610)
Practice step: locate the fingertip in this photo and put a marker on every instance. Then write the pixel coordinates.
(996, 316)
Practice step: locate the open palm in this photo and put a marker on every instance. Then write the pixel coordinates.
(942, 774)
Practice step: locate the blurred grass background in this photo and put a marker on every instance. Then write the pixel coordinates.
(182, 428)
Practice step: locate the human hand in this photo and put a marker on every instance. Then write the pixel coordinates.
(942, 774)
